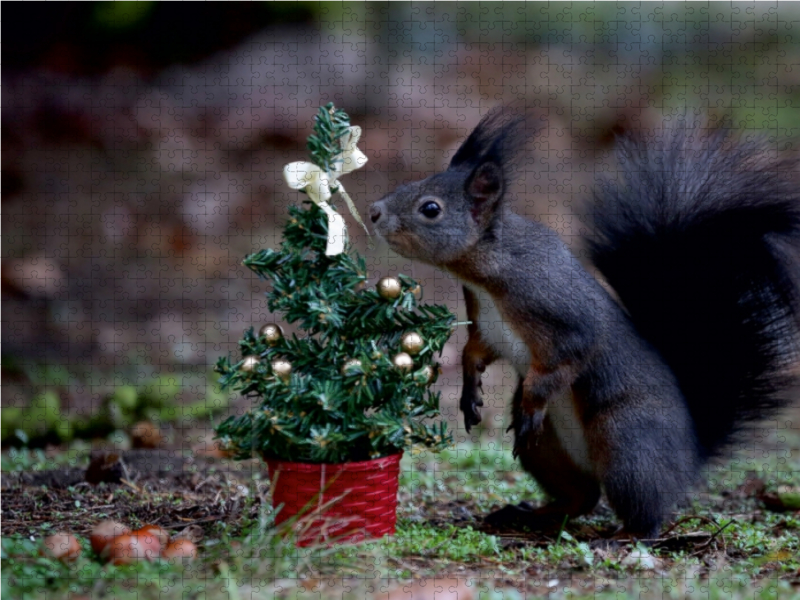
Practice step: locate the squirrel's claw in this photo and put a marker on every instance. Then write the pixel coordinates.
(471, 417)
(527, 428)
(469, 406)
(531, 424)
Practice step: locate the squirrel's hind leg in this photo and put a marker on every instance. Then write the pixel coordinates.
(647, 471)
(573, 491)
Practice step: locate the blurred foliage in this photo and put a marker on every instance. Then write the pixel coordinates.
(597, 67)
(122, 15)
(93, 37)
(47, 421)
(733, 59)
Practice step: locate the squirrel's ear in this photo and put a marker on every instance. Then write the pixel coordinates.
(485, 187)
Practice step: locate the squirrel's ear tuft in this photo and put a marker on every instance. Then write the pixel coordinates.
(485, 187)
(501, 136)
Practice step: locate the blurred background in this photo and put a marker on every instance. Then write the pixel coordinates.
(143, 144)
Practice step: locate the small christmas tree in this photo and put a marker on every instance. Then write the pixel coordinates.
(356, 386)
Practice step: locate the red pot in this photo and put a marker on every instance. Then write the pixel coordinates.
(346, 502)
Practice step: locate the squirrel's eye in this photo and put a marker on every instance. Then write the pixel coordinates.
(431, 210)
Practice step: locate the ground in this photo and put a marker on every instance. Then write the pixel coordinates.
(730, 540)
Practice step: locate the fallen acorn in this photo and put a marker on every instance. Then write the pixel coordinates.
(184, 550)
(129, 548)
(104, 532)
(145, 435)
(62, 546)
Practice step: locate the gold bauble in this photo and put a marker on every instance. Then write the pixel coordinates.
(412, 342)
(389, 288)
(350, 366)
(282, 369)
(272, 333)
(250, 363)
(430, 373)
(403, 361)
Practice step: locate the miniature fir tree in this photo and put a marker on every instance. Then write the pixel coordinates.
(355, 385)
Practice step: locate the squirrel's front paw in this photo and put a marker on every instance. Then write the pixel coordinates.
(470, 401)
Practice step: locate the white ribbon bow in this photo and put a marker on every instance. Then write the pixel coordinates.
(321, 185)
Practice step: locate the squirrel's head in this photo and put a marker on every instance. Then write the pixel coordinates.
(439, 219)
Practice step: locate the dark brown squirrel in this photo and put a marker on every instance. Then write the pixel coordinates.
(697, 235)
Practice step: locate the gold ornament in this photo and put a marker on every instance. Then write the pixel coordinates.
(403, 362)
(412, 342)
(272, 333)
(282, 369)
(250, 363)
(350, 366)
(389, 288)
(430, 373)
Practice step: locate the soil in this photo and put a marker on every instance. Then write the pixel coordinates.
(172, 489)
(201, 496)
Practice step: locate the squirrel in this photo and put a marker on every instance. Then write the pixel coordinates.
(631, 394)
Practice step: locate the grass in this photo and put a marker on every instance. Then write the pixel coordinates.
(724, 545)
(27, 460)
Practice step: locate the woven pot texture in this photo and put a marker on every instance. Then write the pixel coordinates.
(336, 503)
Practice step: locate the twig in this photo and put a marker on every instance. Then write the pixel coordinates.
(679, 522)
(131, 485)
(712, 538)
(203, 520)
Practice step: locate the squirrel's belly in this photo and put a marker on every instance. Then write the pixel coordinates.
(569, 430)
(499, 336)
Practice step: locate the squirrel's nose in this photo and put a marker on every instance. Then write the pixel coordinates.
(375, 212)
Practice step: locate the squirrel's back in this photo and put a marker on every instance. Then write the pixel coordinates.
(698, 235)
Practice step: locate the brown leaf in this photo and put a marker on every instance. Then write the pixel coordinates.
(212, 450)
(193, 533)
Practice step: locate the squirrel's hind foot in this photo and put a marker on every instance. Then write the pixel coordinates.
(523, 516)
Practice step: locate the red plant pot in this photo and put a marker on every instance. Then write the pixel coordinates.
(347, 502)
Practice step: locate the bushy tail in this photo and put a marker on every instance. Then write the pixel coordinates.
(698, 235)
